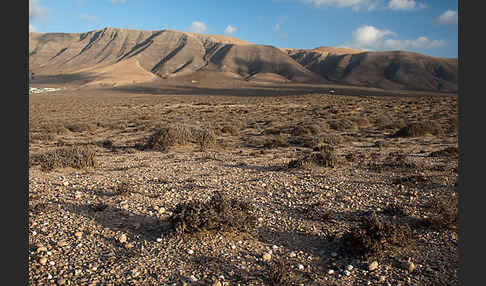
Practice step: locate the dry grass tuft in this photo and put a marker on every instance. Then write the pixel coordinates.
(79, 157)
(417, 129)
(320, 159)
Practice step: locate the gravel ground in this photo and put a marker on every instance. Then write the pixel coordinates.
(82, 232)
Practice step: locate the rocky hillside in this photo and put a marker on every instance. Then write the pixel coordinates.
(125, 56)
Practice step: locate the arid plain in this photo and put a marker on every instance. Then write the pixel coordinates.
(207, 179)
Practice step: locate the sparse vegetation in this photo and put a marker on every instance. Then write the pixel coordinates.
(375, 236)
(417, 129)
(78, 157)
(220, 213)
(319, 159)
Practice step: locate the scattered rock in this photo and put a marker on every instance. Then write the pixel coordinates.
(373, 266)
(43, 260)
(267, 257)
(122, 238)
(78, 234)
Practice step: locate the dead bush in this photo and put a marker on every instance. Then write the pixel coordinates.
(122, 189)
(81, 127)
(205, 139)
(219, 214)
(342, 124)
(376, 235)
(320, 159)
(78, 157)
(444, 214)
(417, 129)
(306, 130)
(165, 137)
(275, 142)
(232, 130)
(279, 273)
(447, 152)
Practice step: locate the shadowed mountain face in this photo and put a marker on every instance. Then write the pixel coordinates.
(122, 56)
(387, 70)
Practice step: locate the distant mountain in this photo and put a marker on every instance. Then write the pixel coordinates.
(122, 56)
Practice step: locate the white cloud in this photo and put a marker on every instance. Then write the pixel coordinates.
(356, 5)
(369, 37)
(198, 27)
(230, 29)
(38, 11)
(405, 5)
(31, 28)
(449, 17)
(116, 1)
(89, 18)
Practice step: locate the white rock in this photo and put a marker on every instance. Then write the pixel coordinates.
(334, 254)
(293, 254)
(274, 247)
(300, 267)
(330, 272)
(159, 239)
(349, 267)
(373, 266)
(193, 278)
(190, 251)
(267, 257)
(347, 273)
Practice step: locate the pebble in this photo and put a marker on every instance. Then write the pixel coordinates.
(347, 273)
(217, 283)
(293, 254)
(267, 257)
(61, 281)
(65, 183)
(43, 260)
(330, 272)
(41, 249)
(190, 251)
(274, 247)
(62, 243)
(300, 267)
(52, 263)
(349, 267)
(78, 234)
(334, 254)
(193, 278)
(159, 239)
(123, 238)
(373, 266)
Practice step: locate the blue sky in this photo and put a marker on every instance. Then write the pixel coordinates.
(427, 27)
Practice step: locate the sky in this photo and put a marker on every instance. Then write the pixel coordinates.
(426, 27)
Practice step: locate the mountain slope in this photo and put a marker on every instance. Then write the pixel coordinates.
(164, 53)
(387, 70)
(122, 56)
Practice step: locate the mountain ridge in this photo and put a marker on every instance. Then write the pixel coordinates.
(153, 54)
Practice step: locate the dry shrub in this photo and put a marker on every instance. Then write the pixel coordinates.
(320, 159)
(205, 139)
(279, 273)
(417, 129)
(444, 214)
(220, 213)
(78, 157)
(122, 189)
(306, 130)
(375, 236)
(342, 124)
(447, 152)
(331, 139)
(180, 134)
(275, 142)
(81, 127)
(41, 137)
(229, 129)
(395, 162)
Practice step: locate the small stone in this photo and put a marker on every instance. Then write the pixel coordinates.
(300, 267)
(260, 219)
(52, 263)
(293, 254)
(274, 247)
(123, 238)
(62, 243)
(334, 254)
(217, 283)
(193, 278)
(78, 234)
(65, 183)
(159, 239)
(41, 249)
(267, 257)
(190, 251)
(49, 276)
(61, 281)
(349, 267)
(411, 267)
(382, 279)
(43, 260)
(373, 266)
(330, 272)
(347, 273)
